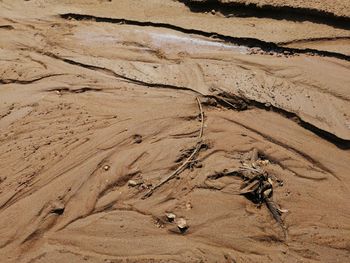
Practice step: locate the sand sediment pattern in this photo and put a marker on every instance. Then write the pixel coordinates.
(102, 101)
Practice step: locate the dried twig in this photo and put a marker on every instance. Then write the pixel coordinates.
(176, 172)
(202, 118)
(188, 160)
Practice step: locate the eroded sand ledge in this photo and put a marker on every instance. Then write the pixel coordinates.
(94, 94)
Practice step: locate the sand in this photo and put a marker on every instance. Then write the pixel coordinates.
(338, 8)
(100, 101)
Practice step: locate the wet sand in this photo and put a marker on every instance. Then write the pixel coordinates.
(100, 102)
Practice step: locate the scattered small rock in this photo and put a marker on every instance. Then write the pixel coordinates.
(182, 225)
(159, 223)
(106, 167)
(133, 183)
(57, 208)
(171, 217)
(188, 206)
(137, 138)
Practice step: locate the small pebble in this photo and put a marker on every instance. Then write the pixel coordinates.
(188, 206)
(132, 183)
(182, 225)
(137, 138)
(171, 217)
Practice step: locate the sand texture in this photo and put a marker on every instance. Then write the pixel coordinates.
(173, 131)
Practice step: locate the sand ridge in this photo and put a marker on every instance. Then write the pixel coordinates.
(336, 7)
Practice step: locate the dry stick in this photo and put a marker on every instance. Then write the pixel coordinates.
(229, 103)
(188, 160)
(202, 118)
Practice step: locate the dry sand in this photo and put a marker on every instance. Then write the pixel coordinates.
(339, 8)
(99, 103)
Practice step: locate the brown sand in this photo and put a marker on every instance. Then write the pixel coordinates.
(335, 7)
(94, 94)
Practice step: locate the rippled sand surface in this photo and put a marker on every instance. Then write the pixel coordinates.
(116, 116)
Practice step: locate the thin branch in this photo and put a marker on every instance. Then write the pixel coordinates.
(202, 118)
(188, 160)
(176, 172)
